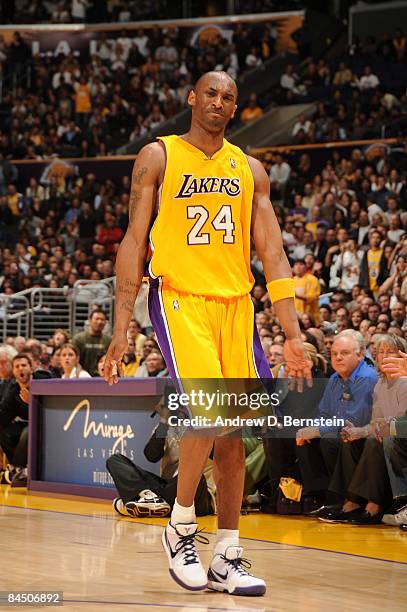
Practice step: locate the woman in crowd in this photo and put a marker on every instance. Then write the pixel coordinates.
(356, 319)
(70, 363)
(149, 345)
(59, 338)
(397, 280)
(100, 364)
(130, 361)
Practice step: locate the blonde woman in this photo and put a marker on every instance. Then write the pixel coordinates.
(70, 365)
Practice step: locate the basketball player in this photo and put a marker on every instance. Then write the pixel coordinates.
(211, 199)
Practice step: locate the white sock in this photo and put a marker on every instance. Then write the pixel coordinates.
(225, 538)
(182, 514)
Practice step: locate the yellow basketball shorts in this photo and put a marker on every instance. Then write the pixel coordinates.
(206, 337)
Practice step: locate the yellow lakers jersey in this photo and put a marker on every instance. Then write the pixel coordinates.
(201, 236)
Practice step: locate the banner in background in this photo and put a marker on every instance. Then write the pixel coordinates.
(285, 26)
(78, 435)
(82, 43)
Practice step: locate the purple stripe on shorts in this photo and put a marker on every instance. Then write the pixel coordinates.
(157, 319)
(259, 356)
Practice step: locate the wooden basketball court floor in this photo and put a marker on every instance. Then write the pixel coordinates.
(103, 562)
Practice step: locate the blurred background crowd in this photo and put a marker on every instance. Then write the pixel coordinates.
(131, 85)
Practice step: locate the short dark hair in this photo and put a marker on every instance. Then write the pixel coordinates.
(327, 307)
(22, 356)
(97, 311)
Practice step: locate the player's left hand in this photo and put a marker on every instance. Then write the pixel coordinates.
(298, 366)
(115, 352)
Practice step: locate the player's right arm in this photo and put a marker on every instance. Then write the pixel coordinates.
(147, 175)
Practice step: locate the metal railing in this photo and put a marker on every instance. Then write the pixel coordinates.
(39, 311)
(50, 309)
(14, 315)
(88, 293)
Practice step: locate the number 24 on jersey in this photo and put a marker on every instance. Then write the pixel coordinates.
(221, 222)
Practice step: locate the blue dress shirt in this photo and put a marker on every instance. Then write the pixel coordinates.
(350, 399)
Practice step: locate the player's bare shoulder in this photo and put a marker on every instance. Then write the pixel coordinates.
(147, 175)
(261, 180)
(150, 164)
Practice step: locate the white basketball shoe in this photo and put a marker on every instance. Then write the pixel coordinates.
(185, 567)
(396, 519)
(119, 506)
(229, 573)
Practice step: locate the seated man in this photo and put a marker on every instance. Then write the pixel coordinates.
(144, 494)
(347, 396)
(14, 421)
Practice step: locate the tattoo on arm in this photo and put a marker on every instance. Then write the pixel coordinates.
(135, 195)
(127, 305)
(134, 200)
(127, 290)
(139, 175)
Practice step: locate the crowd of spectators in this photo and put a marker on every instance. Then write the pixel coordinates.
(124, 11)
(130, 85)
(135, 81)
(85, 11)
(358, 94)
